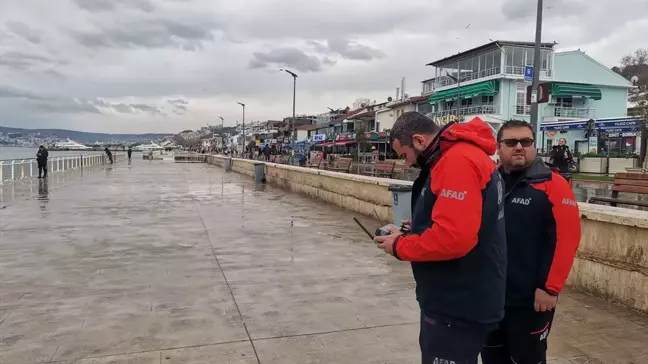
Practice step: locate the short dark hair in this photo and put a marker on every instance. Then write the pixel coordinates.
(410, 123)
(514, 124)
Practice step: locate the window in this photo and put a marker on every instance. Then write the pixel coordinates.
(521, 107)
(487, 100)
(564, 102)
(466, 102)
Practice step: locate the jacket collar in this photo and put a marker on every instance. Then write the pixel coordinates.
(538, 171)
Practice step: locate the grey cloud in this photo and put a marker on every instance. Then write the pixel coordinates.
(109, 5)
(178, 101)
(20, 60)
(68, 107)
(351, 50)
(24, 31)
(10, 93)
(286, 57)
(149, 33)
(123, 108)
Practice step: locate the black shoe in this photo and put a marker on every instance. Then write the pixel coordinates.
(40, 177)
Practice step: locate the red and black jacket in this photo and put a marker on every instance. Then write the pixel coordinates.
(542, 231)
(457, 245)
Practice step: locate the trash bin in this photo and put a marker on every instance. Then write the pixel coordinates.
(228, 164)
(401, 203)
(259, 173)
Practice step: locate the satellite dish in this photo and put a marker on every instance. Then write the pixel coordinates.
(634, 79)
(389, 99)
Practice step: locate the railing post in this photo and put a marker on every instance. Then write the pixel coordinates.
(13, 173)
(1, 172)
(22, 169)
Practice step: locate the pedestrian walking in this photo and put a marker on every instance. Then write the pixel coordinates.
(109, 155)
(130, 153)
(41, 160)
(543, 232)
(457, 242)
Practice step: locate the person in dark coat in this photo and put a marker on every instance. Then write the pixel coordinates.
(41, 159)
(561, 156)
(109, 154)
(130, 153)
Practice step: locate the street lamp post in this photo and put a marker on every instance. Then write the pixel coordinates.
(242, 104)
(292, 130)
(222, 122)
(537, 63)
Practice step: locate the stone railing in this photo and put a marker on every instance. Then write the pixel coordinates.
(612, 260)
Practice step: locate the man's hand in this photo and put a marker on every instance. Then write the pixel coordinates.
(386, 243)
(544, 301)
(407, 224)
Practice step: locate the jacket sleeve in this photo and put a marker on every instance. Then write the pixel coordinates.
(456, 215)
(567, 233)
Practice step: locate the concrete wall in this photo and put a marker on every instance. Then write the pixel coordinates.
(612, 260)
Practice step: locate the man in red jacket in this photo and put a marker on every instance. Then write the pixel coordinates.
(542, 232)
(457, 243)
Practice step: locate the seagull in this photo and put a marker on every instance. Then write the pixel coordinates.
(468, 26)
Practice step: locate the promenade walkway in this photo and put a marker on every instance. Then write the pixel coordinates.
(166, 263)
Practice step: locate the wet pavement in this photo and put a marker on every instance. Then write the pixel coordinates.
(182, 263)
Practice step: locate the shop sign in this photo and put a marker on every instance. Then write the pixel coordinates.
(319, 137)
(627, 134)
(442, 120)
(593, 144)
(271, 141)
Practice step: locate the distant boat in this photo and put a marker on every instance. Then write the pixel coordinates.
(70, 145)
(147, 147)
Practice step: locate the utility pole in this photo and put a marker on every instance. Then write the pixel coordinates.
(458, 81)
(222, 122)
(242, 104)
(537, 64)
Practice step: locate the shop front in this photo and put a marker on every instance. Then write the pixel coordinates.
(614, 135)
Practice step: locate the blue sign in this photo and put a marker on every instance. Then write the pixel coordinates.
(528, 73)
(621, 125)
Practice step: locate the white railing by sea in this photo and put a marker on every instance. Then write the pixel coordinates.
(20, 169)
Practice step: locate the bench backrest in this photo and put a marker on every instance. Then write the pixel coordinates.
(385, 167)
(315, 161)
(630, 182)
(344, 163)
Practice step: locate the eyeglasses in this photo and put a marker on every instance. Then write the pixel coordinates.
(525, 142)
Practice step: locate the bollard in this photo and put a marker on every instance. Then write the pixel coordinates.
(228, 164)
(259, 173)
(401, 203)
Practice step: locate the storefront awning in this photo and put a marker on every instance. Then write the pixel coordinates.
(559, 89)
(487, 88)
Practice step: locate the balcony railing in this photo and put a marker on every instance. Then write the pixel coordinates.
(523, 110)
(571, 112)
(519, 71)
(466, 76)
(470, 110)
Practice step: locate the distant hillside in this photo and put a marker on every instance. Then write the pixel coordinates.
(81, 136)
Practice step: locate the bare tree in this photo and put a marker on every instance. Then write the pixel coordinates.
(634, 67)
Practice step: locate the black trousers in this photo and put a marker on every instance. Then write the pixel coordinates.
(521, 338)
(446, 341)
(42, 169)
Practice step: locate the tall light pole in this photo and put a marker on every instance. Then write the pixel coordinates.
(292, 130)
(537, 63)
(222, 122)
(242, 104)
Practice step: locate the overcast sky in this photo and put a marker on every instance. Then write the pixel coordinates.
(168, 65)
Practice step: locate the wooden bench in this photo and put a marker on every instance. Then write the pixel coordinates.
(383, 169)
(342, 165)
(628, 183)
(315, 162)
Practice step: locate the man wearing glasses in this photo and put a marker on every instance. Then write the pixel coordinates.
(542, 234)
